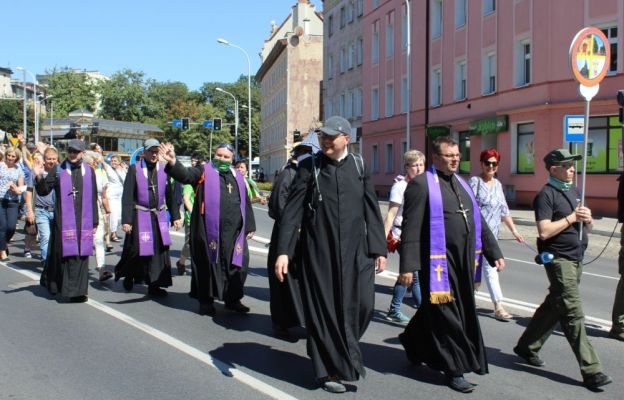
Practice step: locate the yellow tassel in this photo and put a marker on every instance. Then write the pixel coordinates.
(441, 298)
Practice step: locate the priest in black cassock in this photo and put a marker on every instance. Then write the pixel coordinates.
(145, 200)
(342, 244)
(75, 220)
(284, 297)
(222, 221)
(445, 333)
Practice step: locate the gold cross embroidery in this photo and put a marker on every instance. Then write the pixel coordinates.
(438, 269)
(229, 186)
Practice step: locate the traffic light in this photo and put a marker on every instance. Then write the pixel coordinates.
(185, 124)
(233, 129)
(216, 124)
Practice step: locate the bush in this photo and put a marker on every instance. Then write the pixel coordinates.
(268, 186)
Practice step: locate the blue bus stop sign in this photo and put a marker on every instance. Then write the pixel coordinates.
(177, 123)
(574, 128)
(208, 124)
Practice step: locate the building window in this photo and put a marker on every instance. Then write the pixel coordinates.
(342, 108)
(330, 25)
(612, 37)
(489, 73)
(404, 28)
(389, 158)
(436, 87)
(343, 17)
(375, 4)
(389, 99)
(351, 59)
(350, 11)
(360, 7)
(343, 60)
(523, 63)
(489, 6)
(328, 109)
(525, 148)
(330, 67)
(404, 147)
(360, 51)
(374, 159)
(460, 80)
(436, 19)
(389, 34)
(404, 95)
(604, 146)
(375, 43)
(460, 13)
(464, 151)
(351, 109)
(375, 104)
(358, 102)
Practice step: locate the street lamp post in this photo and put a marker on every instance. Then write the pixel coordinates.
(235, 118)
(223, 41)
(408, 55)
(43, 100)
(24, 70)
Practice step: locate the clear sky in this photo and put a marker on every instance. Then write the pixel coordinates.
(168, 40)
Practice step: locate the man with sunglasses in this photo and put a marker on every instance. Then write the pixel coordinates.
(66, 270)
(333, 202)
(559, 217)
(145, 200)
(222, 221)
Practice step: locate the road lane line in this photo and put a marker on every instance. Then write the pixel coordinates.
(251, 248)
(226, 369)
(584, 273)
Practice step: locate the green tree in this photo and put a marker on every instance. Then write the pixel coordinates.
(11, 116)
(71, 91)
(163, 95)
(124, 97)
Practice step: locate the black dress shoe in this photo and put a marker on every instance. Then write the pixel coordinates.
(207, 309)
(459, 384)
(616, 336)
(127, 283)
(237, 306)
(156, 291)
(531, 359)
(78, 299)
(593, 382)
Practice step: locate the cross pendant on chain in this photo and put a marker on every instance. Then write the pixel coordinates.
(74, 192)
(229, 186)
(463, 211)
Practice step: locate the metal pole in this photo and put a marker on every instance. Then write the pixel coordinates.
(236, 126)
(52, 123)
(584, 173)
(25, 129)
(409, 73)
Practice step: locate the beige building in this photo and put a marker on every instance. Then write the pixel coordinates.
(290, 78)
(343, 51)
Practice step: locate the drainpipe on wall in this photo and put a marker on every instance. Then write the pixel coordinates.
(427, 79)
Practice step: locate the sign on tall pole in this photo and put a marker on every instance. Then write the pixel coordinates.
(590, 56)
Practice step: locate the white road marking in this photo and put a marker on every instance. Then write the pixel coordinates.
(225, 368)
(584, 273)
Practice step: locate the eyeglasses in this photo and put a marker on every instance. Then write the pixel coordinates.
(450, 156)
(490, 163)
(73, 151)
(325, 136)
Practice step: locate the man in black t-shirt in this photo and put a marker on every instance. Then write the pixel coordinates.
(559, 217)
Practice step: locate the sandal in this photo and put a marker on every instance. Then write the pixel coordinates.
(501, 315)
(181, 267)
(105, 275)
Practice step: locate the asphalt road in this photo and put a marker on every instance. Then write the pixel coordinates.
(127, 345)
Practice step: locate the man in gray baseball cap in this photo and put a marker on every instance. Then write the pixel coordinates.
(342, 200)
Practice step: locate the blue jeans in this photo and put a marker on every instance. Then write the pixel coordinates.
(8, 220)
(399, 292)
(44, 219)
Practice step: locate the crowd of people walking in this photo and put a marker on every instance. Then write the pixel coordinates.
(328, 242)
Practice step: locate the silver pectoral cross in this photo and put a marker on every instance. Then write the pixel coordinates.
(74, 192)
(463, 211)
(153, 188)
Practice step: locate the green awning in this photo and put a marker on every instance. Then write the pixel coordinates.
(436, 131)
(487, 126)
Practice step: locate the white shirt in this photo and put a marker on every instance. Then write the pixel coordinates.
(396, 196)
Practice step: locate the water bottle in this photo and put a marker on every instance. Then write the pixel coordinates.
(544, 258)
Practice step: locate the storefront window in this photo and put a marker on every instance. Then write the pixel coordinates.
(604, 146)
(464, 150)
(525, 148)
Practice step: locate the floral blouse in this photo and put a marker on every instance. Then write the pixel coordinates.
(491, 200)
(8, 175)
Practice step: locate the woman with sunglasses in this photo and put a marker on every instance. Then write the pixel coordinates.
(491, 199)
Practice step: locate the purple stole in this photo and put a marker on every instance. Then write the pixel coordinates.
(146, 241)
(212, 213)
(440, 290)
(71, 247)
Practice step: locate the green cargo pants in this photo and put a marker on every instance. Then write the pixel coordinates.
(563, 305)
(617, 316)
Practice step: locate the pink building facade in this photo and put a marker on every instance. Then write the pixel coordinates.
(493, 74)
